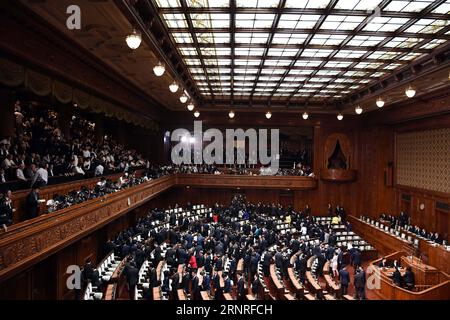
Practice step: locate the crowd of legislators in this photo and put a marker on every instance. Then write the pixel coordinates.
(403, 221)
(39, 150)
(202, 245)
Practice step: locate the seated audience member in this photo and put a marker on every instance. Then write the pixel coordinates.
(20, 173)
(2, 176)
(408, 279)
(40, 178)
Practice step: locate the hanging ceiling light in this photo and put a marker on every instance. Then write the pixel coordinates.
(305, 115)
(197, 114)
(340, 116)
(174, 87)
(268, 115)
(410, 92)
(190, 106)
(380, 102)
(159, 69)
(134, 39)
(231, 114)
(183, 98)
(358, 110)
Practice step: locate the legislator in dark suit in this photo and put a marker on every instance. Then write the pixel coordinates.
(241, 288)
(344, 277)
(132, 275)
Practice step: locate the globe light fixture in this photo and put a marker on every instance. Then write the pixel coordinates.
(305, 115)
(190, 106)
(159, 69)
(340, 116)
(358, 110)
(196, 114)
(410, 92)
(183, 98)
(380, 103)
(174, 87)
(268, 115)
(134, 39)
(231, 114)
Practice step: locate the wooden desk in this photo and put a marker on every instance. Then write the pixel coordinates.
(387, 243)
(110, 289)
(204, 295)
(181, 295)
(296, 286)
(388, 290)
(423, 274)
(277, 286)
(313, 285)
(157, 293)
(227, 296)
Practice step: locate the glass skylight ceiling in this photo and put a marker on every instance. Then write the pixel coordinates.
(297, 50)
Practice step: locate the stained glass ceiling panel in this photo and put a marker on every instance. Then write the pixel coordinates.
(311, 49)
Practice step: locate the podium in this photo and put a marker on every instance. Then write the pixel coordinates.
(423, 273)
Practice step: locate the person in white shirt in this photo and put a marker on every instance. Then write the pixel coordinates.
(19, 172)
(78, 170)
(8, 162)
(99, 169)
(86, 152)
(304, 230)
(40, 178)
(334, 265)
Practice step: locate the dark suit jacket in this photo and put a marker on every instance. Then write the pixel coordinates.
(344, 277)
(360, 280)
(132, 276)
(241, 287)
(32, 205)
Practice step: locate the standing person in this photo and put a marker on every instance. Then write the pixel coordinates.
(240, 287)
(360, 284)
(132, 275)
(334, 265)
(345, 280)
(32, 204)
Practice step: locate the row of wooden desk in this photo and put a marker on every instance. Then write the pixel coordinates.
(431, 277)
(387, 243)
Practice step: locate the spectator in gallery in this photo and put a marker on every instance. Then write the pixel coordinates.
(6, 210)
(32, 204)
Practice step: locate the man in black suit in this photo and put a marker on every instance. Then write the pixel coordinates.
(227, 283)
(344, 277)
(357, 258)
(408, 279)
(132, 275)
(32, 204)
(195, 289)
(397, 277)
(302, 265)
(240, 287)
(360, 284)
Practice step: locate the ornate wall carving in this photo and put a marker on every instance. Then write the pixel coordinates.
(423, 159)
